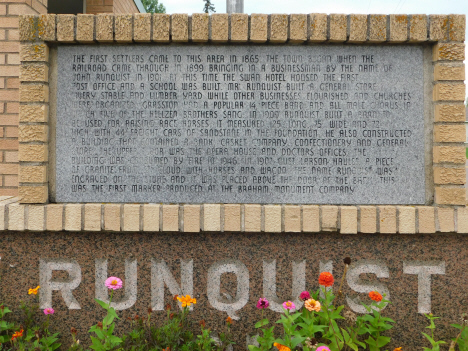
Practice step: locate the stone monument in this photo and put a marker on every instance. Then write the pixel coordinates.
(230, 164)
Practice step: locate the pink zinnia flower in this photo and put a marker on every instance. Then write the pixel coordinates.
(289, 305)
(262, 303)
(323, 348)
(304, 295)
(49, 311)
(114, 283)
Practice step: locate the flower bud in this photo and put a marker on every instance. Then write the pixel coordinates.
(347, 260)
(99, 325)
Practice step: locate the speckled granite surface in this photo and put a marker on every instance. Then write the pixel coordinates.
(20, 254)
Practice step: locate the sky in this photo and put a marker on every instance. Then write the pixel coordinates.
(335, 6)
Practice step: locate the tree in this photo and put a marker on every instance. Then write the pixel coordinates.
(152, 6)
(209, 7)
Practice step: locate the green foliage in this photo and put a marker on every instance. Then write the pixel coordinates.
(153, 6)
(462, 339)
(374, 324)
(209, 7)
(435, 344)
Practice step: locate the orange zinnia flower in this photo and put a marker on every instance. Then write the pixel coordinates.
(229, 320)
(326, 279)
(397, 349)
(281, 347)
(312, 305)
(17, 334)
(374, 295)
(187, 300)
(33, 291)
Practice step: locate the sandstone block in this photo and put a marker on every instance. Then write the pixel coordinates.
(426, 219)
(272, 218)
(112, 217)
(66, 28)
(200, 22)
(449, 133)
(170, 218)
(311, 218)
(179, 28)
(450, 196)
(292, 219)
(357, 28)
(191, 218)
(219, 27)
(398, 28)
(54, 217)
(33, 153)
(73, 217)
(462, 220)
(338, 27)
(36, 218)
(258, 28)
(16, 217)
(457, 25)
(232, 218)
(252, 218)
(161, 28)
(34, 52)
(407, 219)
(34, 72)
(318, 27)
(105, 28)
(29, 133)
(387, 219)
(212, 217)
(124, 28)
(446, 220)
(438, 27)
(279, 24)
(368, 219)
(28, 27)
(33, 113)
(348, 220)
(142, 27)
(131, 218)
(449, 154)
(34, 93)
(33, 174)
(448, 51)
(92, 217)
(329, 218)
(449, 92)
(85, 28)
(151, 217)
(33, 194)
(297, 28)
(46, 27)
(239, 27)
(377, 28)
(418, 28)
(449, 175)
(444, 71)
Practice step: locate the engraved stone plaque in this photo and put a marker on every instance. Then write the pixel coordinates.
(240, 124)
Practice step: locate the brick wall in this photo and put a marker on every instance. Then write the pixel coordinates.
(99, 6)
(9, 87)
(125, 6)
(111, 6)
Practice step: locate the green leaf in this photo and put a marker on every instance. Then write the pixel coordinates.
(261, 323)
(102, 303)
(382, 341)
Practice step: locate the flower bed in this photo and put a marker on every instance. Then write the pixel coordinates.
(311, 322)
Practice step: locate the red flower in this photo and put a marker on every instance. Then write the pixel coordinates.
(326, 279)
(17, 334)
(374, 295)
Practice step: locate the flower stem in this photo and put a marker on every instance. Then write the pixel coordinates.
(329, 319)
